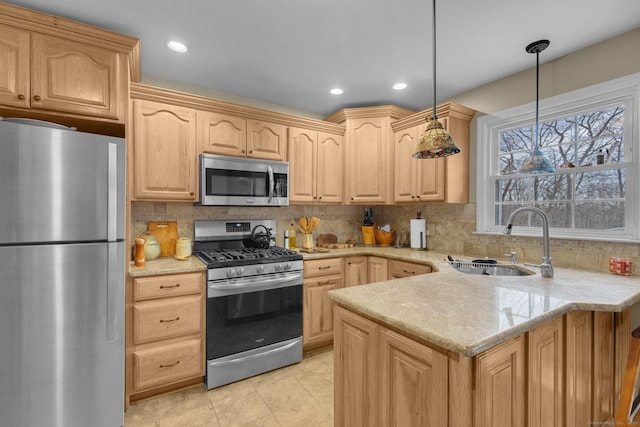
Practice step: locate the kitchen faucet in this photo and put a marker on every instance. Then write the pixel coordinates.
(546, 269)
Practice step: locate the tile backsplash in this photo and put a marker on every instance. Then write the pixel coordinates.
(450, 229)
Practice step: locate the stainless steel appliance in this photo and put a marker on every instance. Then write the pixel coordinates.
(237, 181)
(62, 270)
(254, 299)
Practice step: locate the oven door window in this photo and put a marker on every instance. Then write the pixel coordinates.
(241, 322)
(224, 182)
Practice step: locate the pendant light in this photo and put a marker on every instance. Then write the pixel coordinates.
(435, 141)
(537, 162)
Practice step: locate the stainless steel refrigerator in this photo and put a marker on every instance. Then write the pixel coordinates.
(62, 269)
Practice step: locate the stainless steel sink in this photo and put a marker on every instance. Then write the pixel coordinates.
(491, 269)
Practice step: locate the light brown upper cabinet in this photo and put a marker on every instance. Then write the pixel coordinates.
(50, 65)
(230, 135)
(368, 165)
(432, 180)
(315, 166)
(165, 163)
(266, 140)
(222, 134)
(416, 180)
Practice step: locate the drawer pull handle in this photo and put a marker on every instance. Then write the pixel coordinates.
(170, 320)
(21, 97)
(407, 271)
(170, 365)
(324, 268)
(177, 285)
(326, 282)
(37, 98)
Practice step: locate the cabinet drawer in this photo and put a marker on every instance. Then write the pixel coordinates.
(407, 269)
(335, 280)
(166, 318)
(166, 286)
(168, 363)
(322, 267)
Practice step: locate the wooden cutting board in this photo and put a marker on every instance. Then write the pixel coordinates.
(167, 233)
(337, 245)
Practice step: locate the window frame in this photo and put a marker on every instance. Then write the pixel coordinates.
(622, 90)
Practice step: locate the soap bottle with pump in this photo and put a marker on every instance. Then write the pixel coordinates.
(292, 237)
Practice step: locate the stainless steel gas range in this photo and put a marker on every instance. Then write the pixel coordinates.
(254, 299)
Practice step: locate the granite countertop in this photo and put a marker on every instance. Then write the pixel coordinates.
(469, 314)
(167, 265)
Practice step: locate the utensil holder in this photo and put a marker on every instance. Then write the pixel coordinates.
(368, 238)
(307, 241)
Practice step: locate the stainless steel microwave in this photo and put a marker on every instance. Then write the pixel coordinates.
(237, 181)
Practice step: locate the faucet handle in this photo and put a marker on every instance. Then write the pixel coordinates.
(514, 257)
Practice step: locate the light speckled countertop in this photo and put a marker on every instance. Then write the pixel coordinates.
(460, 312)
(469, 314)
(167, 265)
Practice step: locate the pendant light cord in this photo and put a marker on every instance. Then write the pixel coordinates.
(435, 114)
(537, 140)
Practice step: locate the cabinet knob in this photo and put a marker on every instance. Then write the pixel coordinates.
(352, 198)
(413, 197)
(320, 197)
(36, 98)
(250, 151)
(21, 97)
(191, 193)
(242, 151)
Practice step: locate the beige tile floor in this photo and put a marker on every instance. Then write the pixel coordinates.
(299, 395)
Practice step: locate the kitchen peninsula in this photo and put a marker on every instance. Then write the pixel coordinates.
(454, 349)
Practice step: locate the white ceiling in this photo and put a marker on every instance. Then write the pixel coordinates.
(292, 52)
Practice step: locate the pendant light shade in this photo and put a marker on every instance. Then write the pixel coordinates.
(435, 141)
(537, 161)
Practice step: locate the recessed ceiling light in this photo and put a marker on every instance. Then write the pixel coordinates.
(177, 46)
(399, 86)
(336, 91)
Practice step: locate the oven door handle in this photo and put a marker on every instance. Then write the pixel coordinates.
(255, 356)
(219, 290)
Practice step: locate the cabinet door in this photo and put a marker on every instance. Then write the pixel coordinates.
(76, 78)
(429, 174)
(579, 365)
(500, 386)
(378, 269)
(414, 383)
(164, 145)
(546, 375)
(317, 325)
(405, 142)
(355, 271)
(14, 67)
(356, 366)
(266, 140)
(367, 155)
(221, 134)
(302, 165)
(328, 176)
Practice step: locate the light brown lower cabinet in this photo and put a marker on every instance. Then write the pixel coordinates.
(561, 373)
(165, 334)
(378, 269)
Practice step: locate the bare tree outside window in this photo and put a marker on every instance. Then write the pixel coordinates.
(587, 191)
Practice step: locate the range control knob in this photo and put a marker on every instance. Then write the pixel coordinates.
(287, 266)
(240, 271)
(260, 269)
(231, 272)
(278, 267)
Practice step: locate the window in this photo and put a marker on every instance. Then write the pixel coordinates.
(590, 137)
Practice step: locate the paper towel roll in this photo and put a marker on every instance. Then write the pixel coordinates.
(418, 234)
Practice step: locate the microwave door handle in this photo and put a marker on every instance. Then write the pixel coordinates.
(271, 183)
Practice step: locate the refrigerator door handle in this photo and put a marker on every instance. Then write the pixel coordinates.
(112, 284)
(112, 202)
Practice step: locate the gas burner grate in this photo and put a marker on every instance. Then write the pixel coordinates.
(215, 258)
